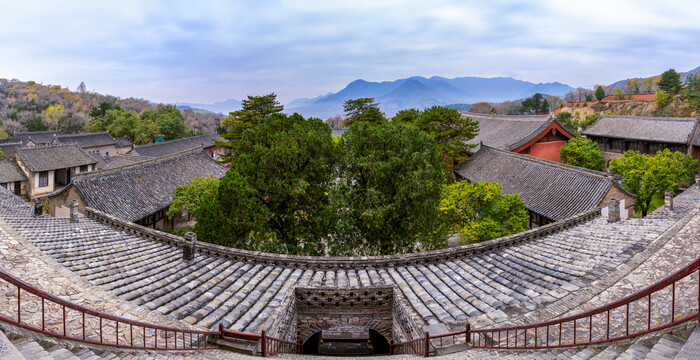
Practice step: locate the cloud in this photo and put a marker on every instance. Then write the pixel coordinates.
(213, 50)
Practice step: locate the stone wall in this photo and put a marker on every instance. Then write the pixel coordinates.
(322, 308)
(60, 202)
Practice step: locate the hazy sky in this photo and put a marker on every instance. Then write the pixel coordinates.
(207, 51)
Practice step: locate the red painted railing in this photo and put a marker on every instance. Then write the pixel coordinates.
(425, 345)
(51, 315)
(268, 345)
(638, 314)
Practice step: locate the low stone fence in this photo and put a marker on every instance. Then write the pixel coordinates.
(359, 262)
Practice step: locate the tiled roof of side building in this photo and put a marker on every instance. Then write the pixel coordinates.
(43, 158)
(548, 188)
(87, 139)
(37, 137)
(123, 142)
(508, 132)
(659, 129)
(174, 146)
(338, 131)
(10, 171)
(118, 161)
(136, 191)
(9, 147)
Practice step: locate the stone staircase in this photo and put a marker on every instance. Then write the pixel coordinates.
(22, 344)
(679, 343)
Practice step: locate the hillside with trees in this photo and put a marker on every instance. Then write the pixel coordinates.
(31, 106)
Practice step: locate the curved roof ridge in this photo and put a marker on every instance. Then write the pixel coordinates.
(652, 118)
(510, 117)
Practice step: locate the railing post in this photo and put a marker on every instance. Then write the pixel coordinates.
(263, 344)
(391, 347)
(221, 329)
(467, 333)
(19, 304)
(427, 344)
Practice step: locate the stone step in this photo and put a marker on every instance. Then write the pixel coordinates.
(668, 346)
(611, 352)
(691, 349)
(31, 350)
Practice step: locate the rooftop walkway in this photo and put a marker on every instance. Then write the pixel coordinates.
(530, 277)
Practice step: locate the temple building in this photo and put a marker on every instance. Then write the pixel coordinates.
(551, 191)
(49, 168)
(617, 134)
(139, 192)
(540, 136)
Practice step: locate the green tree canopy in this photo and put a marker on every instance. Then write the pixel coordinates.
(670, 81)
(254, 111)
(599, 93)
(388, 190)
(36, 124)
(447, 126)
(535, 104)
(691, 92)
(406, 116)
(479, 211)
(645, 175)
(121, 123)
(101, 110)
(170, 122)
(191, 196)
(275, 197)
(362, 110)
(582, 152)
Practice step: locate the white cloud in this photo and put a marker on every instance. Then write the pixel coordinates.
(212, 50)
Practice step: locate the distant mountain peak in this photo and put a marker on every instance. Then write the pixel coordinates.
(420, 92)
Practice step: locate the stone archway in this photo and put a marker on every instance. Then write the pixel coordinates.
(325, 308)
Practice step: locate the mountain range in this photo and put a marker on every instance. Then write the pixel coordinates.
(419, 92)
(415, 92)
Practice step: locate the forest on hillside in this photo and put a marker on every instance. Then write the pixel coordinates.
(30, 106)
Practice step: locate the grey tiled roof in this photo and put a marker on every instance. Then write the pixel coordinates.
(548, 188)
(44, 158)
(87, 139)
(508, 132)
(113, 162)
(37, 137)
(136, 191)
(338, 131)
(658, 129)
(9, 147)
(10, 171)
(13, 204)
(123, 142)
(175, 146)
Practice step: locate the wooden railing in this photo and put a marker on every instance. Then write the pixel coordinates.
(268, 345)
(427, 344)
(669, 302)
(42, 312)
